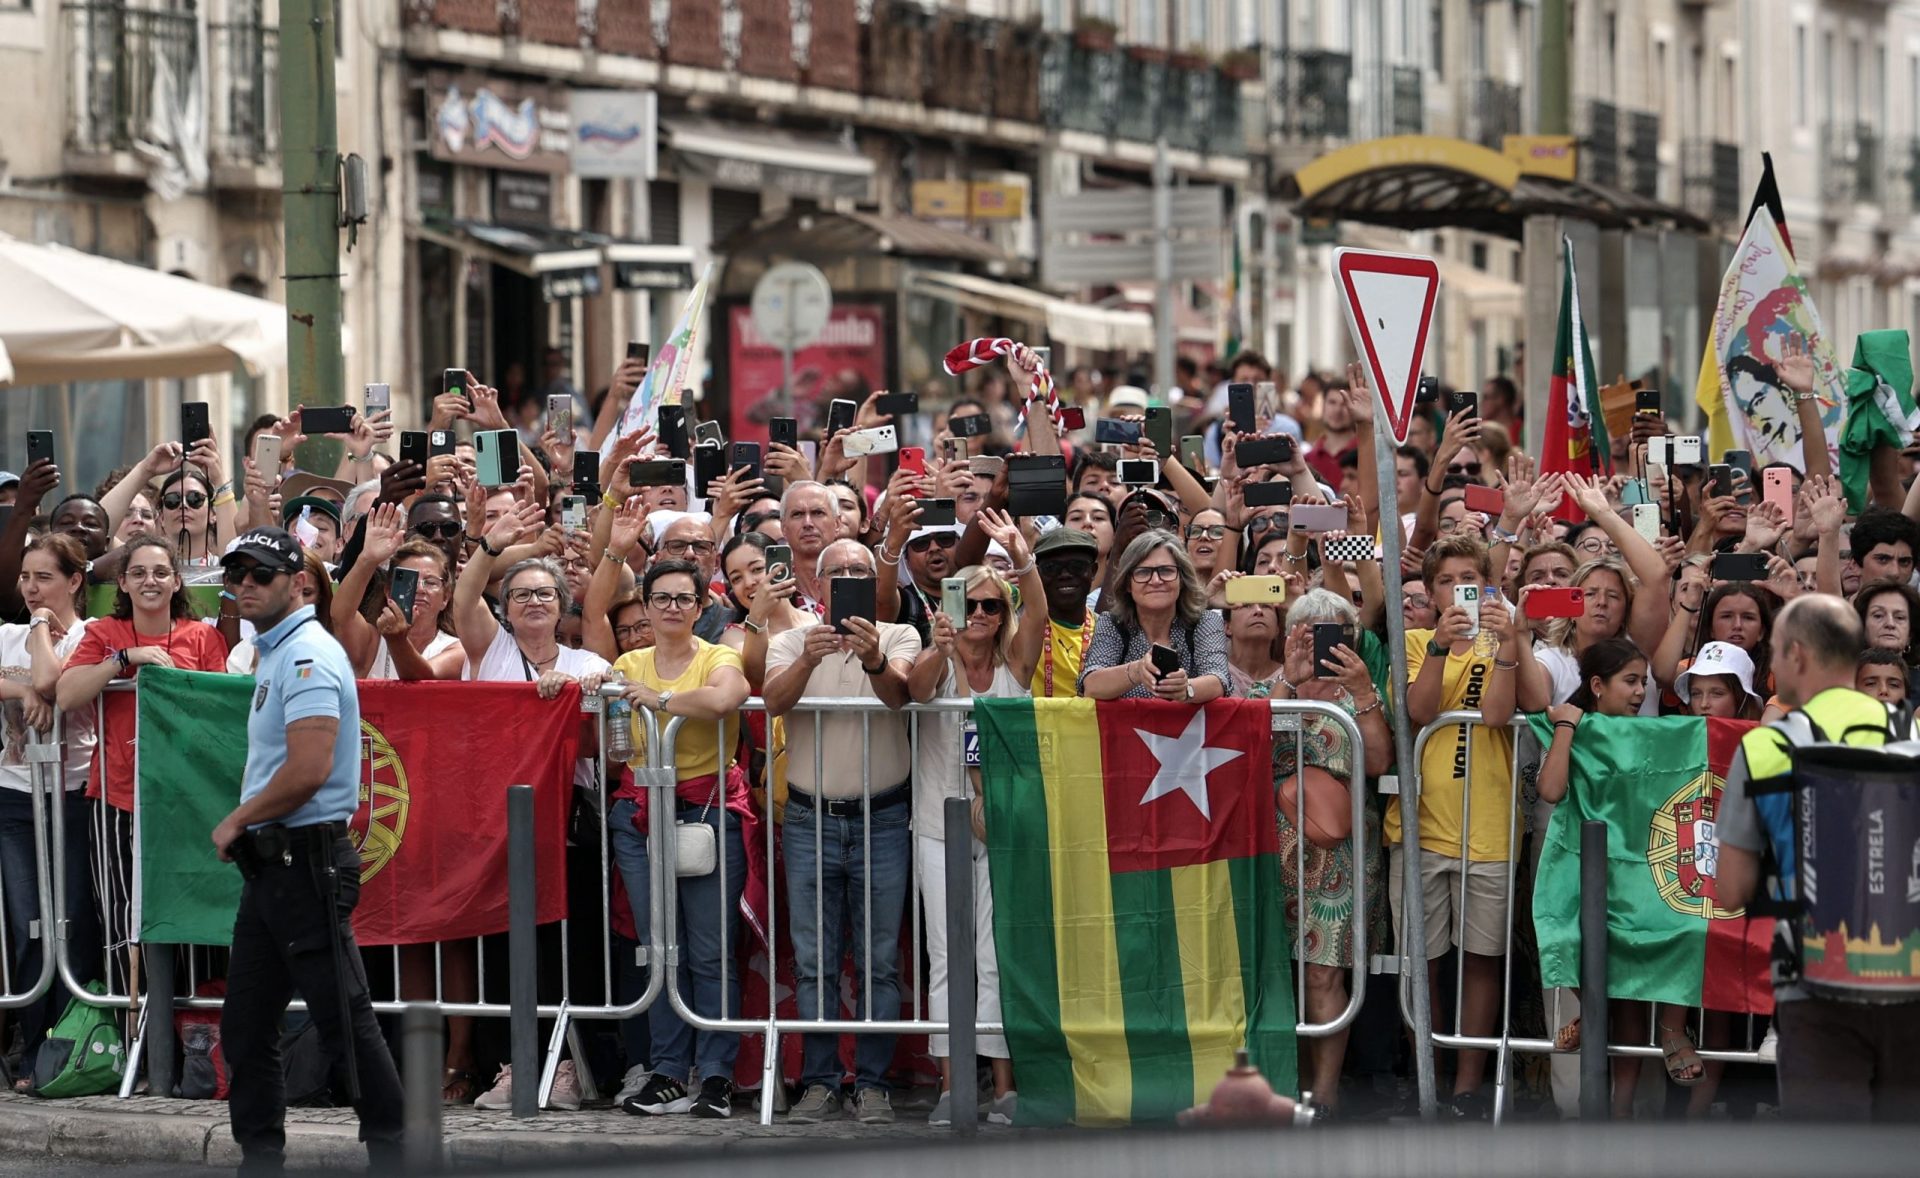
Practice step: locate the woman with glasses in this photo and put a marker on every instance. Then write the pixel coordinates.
(686, 676)
(984, 654)
(1210, 543)
(523, 646)
(1092, 514)
(397, 645)
(152, 625)
(1158, 600)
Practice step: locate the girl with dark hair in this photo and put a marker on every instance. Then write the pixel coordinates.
(1735, 612)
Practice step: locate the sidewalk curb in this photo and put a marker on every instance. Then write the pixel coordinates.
(106, 1137)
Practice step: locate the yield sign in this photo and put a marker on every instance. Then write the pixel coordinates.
(1389, 300)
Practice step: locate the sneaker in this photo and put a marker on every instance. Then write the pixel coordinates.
(662, 1095)
(1470, 1106)
(566, 1088)
(715, 1099)
(1001, 1111)
(872, 1106)
(635, 1079)
(1770, 1046)
(499, 1097)
(819, 1103)
(942, 1115)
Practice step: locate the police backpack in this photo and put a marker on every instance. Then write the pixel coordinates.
(1843, 825)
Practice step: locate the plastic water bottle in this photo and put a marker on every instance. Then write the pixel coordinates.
(1486, 643)
(619, 722)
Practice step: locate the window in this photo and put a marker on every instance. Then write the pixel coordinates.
(1437, 31)
(1829, 62)
(1800, 82)
(1195, 32)
(1147, 29)
(1657, 80)
(663, 212)
(733, 209)
(1609, 66)
(1477, 40)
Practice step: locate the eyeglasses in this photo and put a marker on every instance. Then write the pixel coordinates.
(1415, 601)
(1206, 531)
(858, 572)
(440, 529)
(1069, 566)
(162, 573)
(580, 565)
(943, 539)
(1470, 469)
(683, 547)
(637, 630)
(672, 600)
(233, 574)
(545, 595)
(1266, 523)
(1597, 546)
(432, 583)
(146, 514)
(1155, 572)
(990, 606)
(1156, 518)
(195, 499)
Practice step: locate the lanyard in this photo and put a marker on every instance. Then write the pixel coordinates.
(1086, 640)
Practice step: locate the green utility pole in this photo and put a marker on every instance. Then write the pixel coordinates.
(1554, 76)
(310, 203)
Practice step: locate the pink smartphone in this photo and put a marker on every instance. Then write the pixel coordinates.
(1315, 517)
(1777, 488)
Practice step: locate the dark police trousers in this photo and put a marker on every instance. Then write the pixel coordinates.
(280, 948)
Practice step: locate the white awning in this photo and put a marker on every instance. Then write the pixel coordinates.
(1067, 323)
(733, 156)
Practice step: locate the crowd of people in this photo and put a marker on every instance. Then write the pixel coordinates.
(694, 599)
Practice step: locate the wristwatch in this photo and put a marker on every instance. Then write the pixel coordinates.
(1435, 650)
(37, 621)
(664, 697)
(1189, 692)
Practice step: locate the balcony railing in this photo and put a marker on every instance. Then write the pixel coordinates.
(1599, 157)
(1850, 170)
(1407, 85)
(1710, 179)
(1643, 154)
(246, 93)
(1496, 112)
(1311, 86)
(115, 55)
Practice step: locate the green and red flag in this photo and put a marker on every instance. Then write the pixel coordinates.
(1137, 902)
(436, 761)
(1576, 440)
(1656, 783)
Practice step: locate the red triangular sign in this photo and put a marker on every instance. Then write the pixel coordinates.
(1389, 300)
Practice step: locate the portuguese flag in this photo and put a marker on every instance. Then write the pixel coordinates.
(436, 761)
(1576, 438)
(1137, 902)
(1656, 783)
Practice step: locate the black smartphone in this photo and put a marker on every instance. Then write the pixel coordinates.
(657, 472)
(413, 447)
(1160, 429)
(746, 454)
(326, 419)
(1264, 451)
(707, 433)
(1428, 392)
(39, 446)
(783, 431)
(898, 404)
(1740, 566)
(1740, 460)
(639, 351)
(849, 597)
(1274, 493)
(1465, 399)
(586, 470)
(970, 425)
(1326, 636)
(439, 442)
(779, 563)
(1646, 403)
(1036, 484)
(1240, 412)
(936, 513)
(1719, 479)
(672, 429)
(1113, 431)
(194, 423)
(403, 585)
(840, 414)
(709, 467)
(1166, 660)
(454, 380)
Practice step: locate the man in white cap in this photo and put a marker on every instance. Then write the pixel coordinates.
(926, 554)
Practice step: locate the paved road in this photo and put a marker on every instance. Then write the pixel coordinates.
(46, 1165)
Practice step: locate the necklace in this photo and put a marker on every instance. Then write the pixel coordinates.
(1086, 640)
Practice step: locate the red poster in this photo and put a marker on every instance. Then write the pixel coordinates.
(851, 351)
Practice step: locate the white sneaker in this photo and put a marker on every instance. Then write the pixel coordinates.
(499, 1097)
(635, 1080)
(566, 1088)
(1770, 1046)
(1001, 1111)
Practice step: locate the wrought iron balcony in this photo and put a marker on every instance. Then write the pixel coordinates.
(246, 93)
(116, 56)
(1312, 89)
(1710, 179)
(1407, 85)
(1850, 170)
(1599, 160)
(1496, 112)
(1643, 154)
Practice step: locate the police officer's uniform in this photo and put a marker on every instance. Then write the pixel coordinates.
(293, 932)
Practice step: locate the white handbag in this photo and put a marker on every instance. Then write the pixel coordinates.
(695, 847)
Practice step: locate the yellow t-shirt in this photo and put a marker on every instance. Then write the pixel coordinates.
(1065, 650)
(696, 750)
(1443, 767)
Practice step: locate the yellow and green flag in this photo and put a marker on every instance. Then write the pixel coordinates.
(1137, 902)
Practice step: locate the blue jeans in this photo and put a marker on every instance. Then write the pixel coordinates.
(709, 930)
(18, 869)
(840, 861)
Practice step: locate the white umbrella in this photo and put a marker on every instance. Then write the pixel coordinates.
(67, 315)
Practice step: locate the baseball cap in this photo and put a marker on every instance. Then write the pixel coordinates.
(935, 530)
(327, 507)
(8, 478)
(273, 548)
(301, 484)
(1127, 396)
(1063, 541)
(1717, 658)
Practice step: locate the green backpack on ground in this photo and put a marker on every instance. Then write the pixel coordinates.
(83, 1054)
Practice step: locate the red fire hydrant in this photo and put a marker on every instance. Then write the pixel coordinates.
(1243, 1097)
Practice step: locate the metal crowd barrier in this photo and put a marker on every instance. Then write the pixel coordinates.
(1288, 716)
(41, 756)
(1503, 1043)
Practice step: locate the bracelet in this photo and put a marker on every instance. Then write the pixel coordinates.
(352, 457)
(1233, 527)
(1431, 491)
(618, 557)
(1372, 707)
(227, 595)
(1290, 684)
(1569, 724)
(1501, 664)
(609, 502)
(1290, 558)
(1691, 609)
(223, 498)
(489, 549)
(753, 627)
(879, 670)
(1504, 536)
(225, 488)
(1024, 569)
(885, 557)
(126, 664)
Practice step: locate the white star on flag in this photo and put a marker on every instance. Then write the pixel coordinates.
(1185, 760)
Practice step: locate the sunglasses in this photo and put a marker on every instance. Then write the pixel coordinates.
(943, 539)
(1470, 469)
(990, 606)
(234, 574)
(194, 499)
(1072, 566)
(445, 529)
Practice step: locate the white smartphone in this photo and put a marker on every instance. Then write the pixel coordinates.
(560, 414)
(1646, 521)
(953, 599)
(1686, 450)
(573, 513)
(878, 440)
(1468, 598)
(1658, 450)
(379, 398)
(1138, 472)
(266, 454)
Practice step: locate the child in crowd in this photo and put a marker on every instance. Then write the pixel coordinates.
(1882, 674)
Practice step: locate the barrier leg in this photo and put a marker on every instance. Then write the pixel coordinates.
(581, 1072)
(422, 1049)
(770, 1079)
(523, 970)
(962, 984)
(1595, 1086)
(132, 1075)
(158, 1010)
(555, 1041)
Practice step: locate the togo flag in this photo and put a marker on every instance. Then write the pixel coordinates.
(1137, 902)
(1880, 408)
(1656, 784)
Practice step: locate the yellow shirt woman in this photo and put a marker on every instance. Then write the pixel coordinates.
(696, 750)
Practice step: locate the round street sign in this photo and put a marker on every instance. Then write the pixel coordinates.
(791, 303)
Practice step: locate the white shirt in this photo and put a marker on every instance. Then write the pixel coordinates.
(1563, 673)
(383, 667)
(78, 726)
(938, 773)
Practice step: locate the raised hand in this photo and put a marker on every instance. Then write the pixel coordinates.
(1826, 503)
(1795, 365)
(1003, 528)
(386, 532)
(628, 522)
(1766, 523)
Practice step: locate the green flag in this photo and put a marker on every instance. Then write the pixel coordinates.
(191, 747)
(1880, 408)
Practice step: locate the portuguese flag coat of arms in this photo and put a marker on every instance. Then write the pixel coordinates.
(1656, 783)
(1137, 902)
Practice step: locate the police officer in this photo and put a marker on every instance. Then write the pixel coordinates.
(293, 934)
